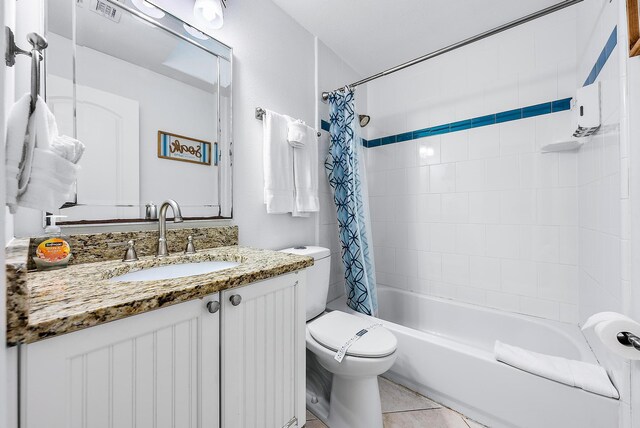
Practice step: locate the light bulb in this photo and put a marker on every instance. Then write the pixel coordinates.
(209, 13)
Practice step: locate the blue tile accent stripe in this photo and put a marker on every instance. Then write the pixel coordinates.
(501, 117)
(603, 57)
(325, 126)
(476, 122)
(561, 105)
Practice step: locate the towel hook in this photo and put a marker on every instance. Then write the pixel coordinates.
(38, 44)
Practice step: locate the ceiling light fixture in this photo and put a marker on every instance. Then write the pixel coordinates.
(148, 9)
(209, 13)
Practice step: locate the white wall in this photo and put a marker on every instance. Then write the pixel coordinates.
(23, 18)
(633, 92)
(273, 68)
(603, 178)
(3, 231)
(603, 187)
(480, 215)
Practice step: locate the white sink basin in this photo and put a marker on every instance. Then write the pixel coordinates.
(174, 271)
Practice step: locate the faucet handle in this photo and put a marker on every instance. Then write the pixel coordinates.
(191, 248)
(130, 254)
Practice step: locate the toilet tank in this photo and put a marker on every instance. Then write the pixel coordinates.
(317, 277)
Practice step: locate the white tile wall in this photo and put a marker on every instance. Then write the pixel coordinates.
(480, 215)
(603, 195)
(496, 230)
(601, 192)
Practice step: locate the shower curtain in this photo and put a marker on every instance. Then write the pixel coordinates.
(348, 181)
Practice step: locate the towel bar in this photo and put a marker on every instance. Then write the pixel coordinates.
(38, 44)
(260, 112)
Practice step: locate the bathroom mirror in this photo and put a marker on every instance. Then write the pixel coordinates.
(150, 97)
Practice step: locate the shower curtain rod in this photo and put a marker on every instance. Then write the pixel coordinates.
(500, 29)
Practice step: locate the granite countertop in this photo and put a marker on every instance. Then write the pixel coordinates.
(46, 304)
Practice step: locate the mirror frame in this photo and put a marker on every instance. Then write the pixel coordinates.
(175, 26)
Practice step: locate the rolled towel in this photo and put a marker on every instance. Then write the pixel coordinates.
(67, 147)
(590, 377)
(297, 134)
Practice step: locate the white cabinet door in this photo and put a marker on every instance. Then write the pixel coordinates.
(263, 354)
(157, 369)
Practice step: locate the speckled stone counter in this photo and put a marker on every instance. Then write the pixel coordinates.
(46, 304)
(17, 290)
(95, 247)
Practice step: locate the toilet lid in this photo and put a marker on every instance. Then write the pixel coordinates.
(334, 329)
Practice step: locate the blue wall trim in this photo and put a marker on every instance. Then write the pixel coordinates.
(476, 122)
(326, 126)
(603, 57)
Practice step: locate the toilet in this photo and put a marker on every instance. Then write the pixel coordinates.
(354, 398)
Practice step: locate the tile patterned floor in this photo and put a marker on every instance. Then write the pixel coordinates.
(403, 408)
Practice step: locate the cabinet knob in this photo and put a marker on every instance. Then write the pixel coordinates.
(235, 299)
(213, 306)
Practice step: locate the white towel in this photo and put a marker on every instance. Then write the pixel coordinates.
(49, 171)
(305, 171)
(51, 182)
(590, 377)
(17, 134)
(278, 164)
(67, 147)
(297, 134)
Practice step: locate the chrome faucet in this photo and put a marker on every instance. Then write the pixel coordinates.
(162, 224)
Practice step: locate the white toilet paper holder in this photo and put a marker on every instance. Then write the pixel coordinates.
(629, 339)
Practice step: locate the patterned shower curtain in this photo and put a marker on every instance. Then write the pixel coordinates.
(348, 181)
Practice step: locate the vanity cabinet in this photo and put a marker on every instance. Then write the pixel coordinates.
(156, 369)
(193, 364)
(263, 354)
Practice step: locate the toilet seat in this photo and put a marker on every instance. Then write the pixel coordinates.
(332, 330)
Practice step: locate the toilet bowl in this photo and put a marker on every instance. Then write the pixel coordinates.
(354, 400)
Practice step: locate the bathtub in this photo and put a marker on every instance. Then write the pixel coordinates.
(445, 351)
